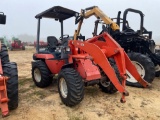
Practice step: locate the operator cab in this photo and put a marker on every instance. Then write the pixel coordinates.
(58, 47)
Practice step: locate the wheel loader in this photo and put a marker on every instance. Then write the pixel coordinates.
(134, 44)
(79, 62)
(8, 78)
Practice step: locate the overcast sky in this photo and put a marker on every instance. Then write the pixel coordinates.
(21, 15)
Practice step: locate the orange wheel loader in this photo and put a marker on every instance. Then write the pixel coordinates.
(79, 62)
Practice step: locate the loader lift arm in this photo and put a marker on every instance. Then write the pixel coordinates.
(108, 49)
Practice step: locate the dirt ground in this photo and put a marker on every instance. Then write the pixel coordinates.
(45, 104)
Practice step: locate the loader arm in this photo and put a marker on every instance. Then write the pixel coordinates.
(100, 51)
(94, 11)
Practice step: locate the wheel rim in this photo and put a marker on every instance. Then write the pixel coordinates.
(63, 87)
(37, 75)
(140, 70)
(104, 82)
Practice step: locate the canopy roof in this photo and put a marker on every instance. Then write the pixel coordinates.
(57, 12)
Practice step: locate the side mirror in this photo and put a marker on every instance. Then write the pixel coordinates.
(2, 18)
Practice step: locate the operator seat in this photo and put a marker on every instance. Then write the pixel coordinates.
(52, 43)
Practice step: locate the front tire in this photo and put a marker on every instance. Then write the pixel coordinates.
(4, 54)
(105, 84)
(41, 74)
(157, 74)
(145, 68)
(10, 70)
(70, 87)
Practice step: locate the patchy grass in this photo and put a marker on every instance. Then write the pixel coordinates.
(24, 90)
(33, 86)
(41, 94)
(23, 81)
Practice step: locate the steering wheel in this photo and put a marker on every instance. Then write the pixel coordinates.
(64, 36)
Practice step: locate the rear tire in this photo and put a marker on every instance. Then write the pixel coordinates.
(70, 87)
(41, 74)
(157, 74)
(106, 85)
(10, 70)
(157, 69)
(145, 66)
(4, 54)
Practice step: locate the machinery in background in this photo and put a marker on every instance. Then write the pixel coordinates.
(137, 46)
(16, 44)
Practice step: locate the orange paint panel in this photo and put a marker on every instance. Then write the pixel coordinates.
(55, 65)
(44, 56)
(88, 70)
(81, 69)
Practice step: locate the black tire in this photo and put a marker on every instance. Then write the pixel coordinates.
(106, 85)
(74, 84)
(157, 74)
(148, 66)
(4, 54)
(10, 70)
(44, 74)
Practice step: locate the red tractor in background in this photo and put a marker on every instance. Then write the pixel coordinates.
(16, 44)
(42, 44)
(8, 78)
(79, 62)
